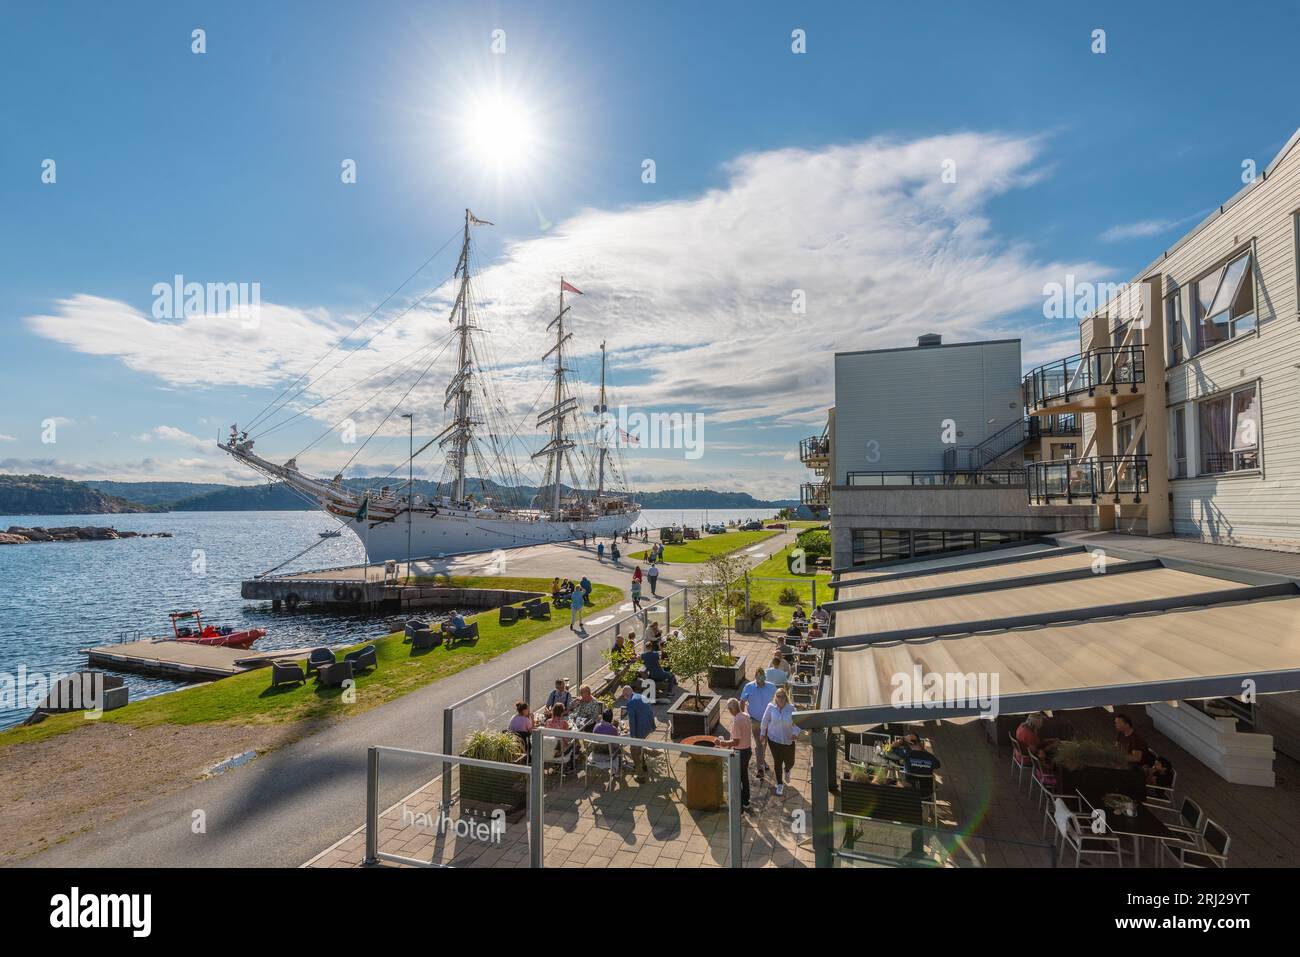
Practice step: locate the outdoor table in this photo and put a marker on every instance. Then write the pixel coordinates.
(1144, 825)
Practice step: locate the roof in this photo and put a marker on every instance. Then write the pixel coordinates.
(1043, 631)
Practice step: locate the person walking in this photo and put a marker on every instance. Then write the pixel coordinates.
(636, 594)
(780, 731)
(585, 586)
(742, 740)
(613, 551)
(756, 696)
(576, 601)
(600, 551)
(652, 575)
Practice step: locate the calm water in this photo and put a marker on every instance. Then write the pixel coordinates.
(58, 597)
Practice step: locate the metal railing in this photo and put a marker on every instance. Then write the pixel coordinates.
(815, 448)
(1006, 478)
(815, 493)
(1058, 424)
(1107, 367)
(967, 458)
(1090, 478)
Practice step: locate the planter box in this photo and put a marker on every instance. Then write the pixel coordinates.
(727, 676)
(1130, 781)
(484, 790)
(686, 722)
(749, 625)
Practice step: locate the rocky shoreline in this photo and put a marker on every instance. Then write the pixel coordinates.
(20, 535)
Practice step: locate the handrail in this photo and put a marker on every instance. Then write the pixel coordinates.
(1009, 437)
(959, 478)
(1088, 478)
(1110, 366)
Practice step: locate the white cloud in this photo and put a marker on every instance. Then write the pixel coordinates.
(1138, 230)
(169, 433)
(7, 438)
(693, 295)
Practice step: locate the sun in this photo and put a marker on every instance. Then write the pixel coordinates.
(499, 132)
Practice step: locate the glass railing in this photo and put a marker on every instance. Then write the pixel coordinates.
(1006, 478)
(1087, 372)
(872, 842)
(1091, 479)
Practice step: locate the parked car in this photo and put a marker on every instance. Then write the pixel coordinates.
(752, 527)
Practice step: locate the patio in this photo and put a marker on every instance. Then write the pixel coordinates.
(634, 824)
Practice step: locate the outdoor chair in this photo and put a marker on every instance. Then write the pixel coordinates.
(424, 639)
(363, 658)
(562, 757)
(1158, 796)
(1077, 834)
(318, 658)
(1211, 852)
(1043, 782)
(604, 757)
(334, 674)
(539, 609)
(1020, 761)
(508, 615)
(287, 672)
(1188, 821)
(461, 634)
(416, 627)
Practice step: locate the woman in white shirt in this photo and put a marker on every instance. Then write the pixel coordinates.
(779, 732)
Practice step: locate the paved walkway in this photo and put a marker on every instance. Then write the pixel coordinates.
(284, 807)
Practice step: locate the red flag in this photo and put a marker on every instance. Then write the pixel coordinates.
(567, 287)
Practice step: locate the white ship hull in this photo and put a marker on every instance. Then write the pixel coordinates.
(455, 533)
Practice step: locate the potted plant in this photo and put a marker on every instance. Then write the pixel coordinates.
(1097, 767)
(484, 790)
(752, 623)
(697, 646)
(728, 671)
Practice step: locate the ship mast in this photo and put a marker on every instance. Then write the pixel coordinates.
(600, 449)
(460, 390)
(560, 408)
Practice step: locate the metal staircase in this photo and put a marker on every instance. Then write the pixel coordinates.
(975, 458)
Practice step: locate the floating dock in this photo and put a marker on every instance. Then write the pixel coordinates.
(183, 660)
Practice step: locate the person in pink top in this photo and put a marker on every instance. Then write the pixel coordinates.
(742, 739)
(522, 722)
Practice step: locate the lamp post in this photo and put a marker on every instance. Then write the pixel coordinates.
(410, 485)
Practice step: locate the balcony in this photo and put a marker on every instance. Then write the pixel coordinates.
(1055, 426)
(1097, 379)
(1004, 478)
(815, 494)
(815, 452)
(1088, 481)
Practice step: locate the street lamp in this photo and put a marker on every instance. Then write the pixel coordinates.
(410, 485)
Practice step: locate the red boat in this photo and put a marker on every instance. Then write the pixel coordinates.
(201, 634)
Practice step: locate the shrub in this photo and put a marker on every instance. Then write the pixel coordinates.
(762, 609)
(503, 746)
(789, 596)
(816, 543)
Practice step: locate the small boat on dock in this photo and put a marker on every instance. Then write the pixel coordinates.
(201, 634)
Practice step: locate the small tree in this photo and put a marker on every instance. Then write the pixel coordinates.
(698, 646)
(722, 583)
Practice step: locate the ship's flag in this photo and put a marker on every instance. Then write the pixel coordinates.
(569, 287)
(475, 221)
(364, 510)
(629, 438)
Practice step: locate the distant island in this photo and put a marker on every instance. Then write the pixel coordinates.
(51, 495)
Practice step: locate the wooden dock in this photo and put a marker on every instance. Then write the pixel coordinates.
(183, 660)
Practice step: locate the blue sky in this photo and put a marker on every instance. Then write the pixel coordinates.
(775, 171)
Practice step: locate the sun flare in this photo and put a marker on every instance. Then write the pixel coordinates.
(499, 132)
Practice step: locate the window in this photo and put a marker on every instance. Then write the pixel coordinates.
(1229, 431)
(872, 546)
(1224, 302)
(999, 538)
(1178, 442)
(1174, 327)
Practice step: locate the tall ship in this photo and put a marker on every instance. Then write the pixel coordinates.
(393, 522)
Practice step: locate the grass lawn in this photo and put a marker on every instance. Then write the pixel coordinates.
(247, 698)
(797, 523)
(770, 592)
(701, 549)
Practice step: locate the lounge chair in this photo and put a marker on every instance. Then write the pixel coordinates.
(461, 634)
(318, 658)
(363, 658)
(287, 672)
(538, 609)
(334, 674)
(509, 615)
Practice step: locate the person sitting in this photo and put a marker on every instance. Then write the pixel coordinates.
(821, 616)
(1131, 744)
(562, 745)
(560, 696)
(815, 629)
(798, 615)
(918, 764)
(775, 674)
(654, 668)
(1160, 773)
(587, 709)
(606, 724)
(555, 587)
(454, 625)
(1031, 738)
(522, 722)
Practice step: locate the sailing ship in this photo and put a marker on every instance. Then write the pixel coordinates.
(394, 523)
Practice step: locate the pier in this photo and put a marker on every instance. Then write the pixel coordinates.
(183, 660)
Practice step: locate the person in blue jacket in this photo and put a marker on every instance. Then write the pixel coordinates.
(640, 724)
